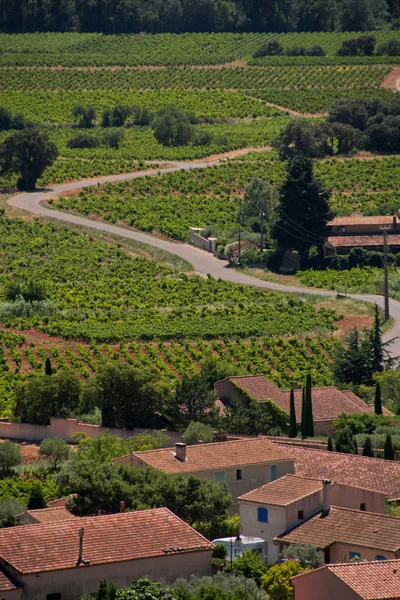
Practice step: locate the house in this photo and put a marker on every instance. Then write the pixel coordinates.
(343, 534)
(359, 471)
(272, 509)
(53, 561)
(378, 580)
(357, 231)
(242, 464)
(328, 402)
(58, 514)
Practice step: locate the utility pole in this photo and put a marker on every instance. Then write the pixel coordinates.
(240, 231)
(386, 284)
(262, 217)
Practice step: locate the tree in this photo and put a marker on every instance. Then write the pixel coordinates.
(303, 210)
(293, 423)
(259, 202)
(113, 138)
(48, 369)
(10, 456)
(254, 418)
(376, 345)
(307, 423)
(9, 509)
(306, 554)
(251, 565)
(378, 400)
(344, 441)
(198, 432)
(329, 445)
(194, 401)
(276, 582)
(272, 48)
(107, 590)
(85, 115)
(120, 114)
(388, 451)
(367, 447)
(36, 498)
(301, 137)
(55, 450)
(172, 127)
(27, 153)
(144, 589)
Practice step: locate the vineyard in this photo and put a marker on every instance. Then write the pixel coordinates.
(173, 202)
(74, 49)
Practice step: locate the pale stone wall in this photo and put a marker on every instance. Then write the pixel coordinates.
(197, 240)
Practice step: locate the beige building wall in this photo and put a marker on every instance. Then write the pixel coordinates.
(347, 496)
(321, 584)
(277, 523)
(226, 389)
(322, 427)
(74, 583)
(339, 552)
(253, 476)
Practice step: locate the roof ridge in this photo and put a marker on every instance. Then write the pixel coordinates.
(355, 456)
(251, 439)
(367, 562)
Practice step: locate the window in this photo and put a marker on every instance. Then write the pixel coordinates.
(219, 475)
(300, 515)
(239, 474)
(354, 555)
(379, 557)
(53, 596)
(273, 471)
(342, 229)
(363, 506)
(262, 515)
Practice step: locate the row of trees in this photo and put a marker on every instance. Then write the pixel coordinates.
(154, 16)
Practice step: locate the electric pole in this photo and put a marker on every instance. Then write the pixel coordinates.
(240, 231)
(386, 276)
(262, 217)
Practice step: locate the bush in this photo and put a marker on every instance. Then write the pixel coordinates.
(173, 127)
(272, 48)
(141, 116)
(389, 48)
(85, 115)
(113, 138)
(306, 554)
(220, 551)
(198, 432)
(276, 582)
(83, 140)
(358, 422)
(10, 456)
(315, 51)
(251, 565)
(361, 46)
(54, 449)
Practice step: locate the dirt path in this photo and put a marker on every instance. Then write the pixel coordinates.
(392, 81)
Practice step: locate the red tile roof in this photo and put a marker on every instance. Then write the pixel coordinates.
(258, 387)
(5, 584)
(58, 514)
(361, 220)
(349, 241)
(107, 539)
(218, 455)
(359, 471)
(377, 580)
(347, 526)
(284, 491)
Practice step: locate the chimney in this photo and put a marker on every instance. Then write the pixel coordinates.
(326, 506)
(180, 451)
(80, 557)
(122, 506)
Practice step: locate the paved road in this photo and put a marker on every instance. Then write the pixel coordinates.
(202, 261)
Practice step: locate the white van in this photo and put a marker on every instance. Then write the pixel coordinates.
(237, 546)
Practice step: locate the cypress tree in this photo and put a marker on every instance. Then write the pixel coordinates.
(47, 367)
(388, 452)
(303, 400)
(293, 424)
(355, 447)
(378, 400)
(329, 446)
(367, 448)
(36, 498)
(308, 420)
(377, 356)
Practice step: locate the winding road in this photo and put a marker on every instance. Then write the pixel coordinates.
(202, 261)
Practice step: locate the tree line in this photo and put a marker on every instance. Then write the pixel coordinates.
(176, 16)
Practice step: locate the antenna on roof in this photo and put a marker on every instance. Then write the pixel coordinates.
(80, 557)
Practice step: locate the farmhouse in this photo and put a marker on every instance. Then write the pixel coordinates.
(357, 231)
(242, 464)
(67, 561)
(376, 580)
(272, 509)
(328, 402)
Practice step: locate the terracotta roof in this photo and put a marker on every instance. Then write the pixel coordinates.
(361, 220)
(360, 471)
(347, 526)
(258, 387)
(284, 491)
(218, 455)
(5, 583)
(50, 515)
(349, 241)
(107, 539)
(377, 580)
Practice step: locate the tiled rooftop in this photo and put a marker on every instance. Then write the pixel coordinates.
(218, 455)
(378, 580)
(360, 471)
(5, 584)
(284, 491)
(347, 526)
(58, 514)
(360, 220)
(348, 241)
(107, 539)
(258, 387)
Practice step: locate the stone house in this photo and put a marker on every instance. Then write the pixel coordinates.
(376, 580)
(65, 561)
(279, 506)
(357, 231)
(242, 464)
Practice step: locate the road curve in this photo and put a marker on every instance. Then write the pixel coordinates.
(202, 261)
